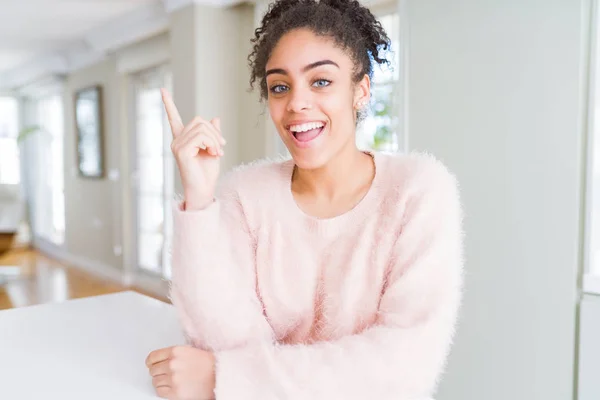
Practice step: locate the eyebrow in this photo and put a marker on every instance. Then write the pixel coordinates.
(308, 67)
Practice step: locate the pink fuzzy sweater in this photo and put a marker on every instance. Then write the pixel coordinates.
(360, 306)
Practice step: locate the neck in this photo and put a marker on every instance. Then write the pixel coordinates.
(328, 181)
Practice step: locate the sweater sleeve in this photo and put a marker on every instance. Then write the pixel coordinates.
(213, 284)
(403, 354)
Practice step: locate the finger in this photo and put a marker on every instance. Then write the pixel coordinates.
(201, 139)
(210, 127)
(215, 132)
(172, 113)
(160, 368)
(207, 142)
(216, 122)
(161, 381)
(163, 392)
(158, 355)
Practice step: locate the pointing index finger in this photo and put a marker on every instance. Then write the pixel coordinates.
(172, 113)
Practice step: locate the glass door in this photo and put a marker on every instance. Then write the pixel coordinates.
(152, 172)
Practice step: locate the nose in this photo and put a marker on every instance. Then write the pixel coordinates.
(300, 100)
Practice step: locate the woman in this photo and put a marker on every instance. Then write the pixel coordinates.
(334, 275)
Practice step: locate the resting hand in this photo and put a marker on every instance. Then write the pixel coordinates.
(182, 373)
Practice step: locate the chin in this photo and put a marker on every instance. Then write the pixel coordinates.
(314, 157)
(308, 162)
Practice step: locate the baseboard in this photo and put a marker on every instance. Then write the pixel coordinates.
(96, 268)
(153, 285)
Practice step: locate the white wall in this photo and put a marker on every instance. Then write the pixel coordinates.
(589, 356)
(495, 93)
(92, 212)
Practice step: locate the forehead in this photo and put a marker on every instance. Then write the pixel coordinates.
(301, 47)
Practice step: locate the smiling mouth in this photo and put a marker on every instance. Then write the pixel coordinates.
(306, 136)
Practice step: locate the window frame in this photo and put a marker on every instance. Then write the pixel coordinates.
(591, 281)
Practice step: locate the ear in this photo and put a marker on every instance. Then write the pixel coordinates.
(362, 93)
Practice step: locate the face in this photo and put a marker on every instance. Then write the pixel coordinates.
(312, 99)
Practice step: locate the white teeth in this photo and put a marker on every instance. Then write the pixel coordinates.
(306, 127)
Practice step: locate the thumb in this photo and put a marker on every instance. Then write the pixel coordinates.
(216, 122)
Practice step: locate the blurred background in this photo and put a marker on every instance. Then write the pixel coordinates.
(502, 91)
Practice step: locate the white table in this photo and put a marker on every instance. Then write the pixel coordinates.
(92, 348)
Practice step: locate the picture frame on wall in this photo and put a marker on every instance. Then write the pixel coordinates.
(90, 132)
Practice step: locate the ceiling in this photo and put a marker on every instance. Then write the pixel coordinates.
(44, 37)
(34, 28)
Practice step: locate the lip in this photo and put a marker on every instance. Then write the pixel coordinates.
(308, 144)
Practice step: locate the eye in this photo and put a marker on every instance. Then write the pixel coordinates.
(321, 83)
(278, 89)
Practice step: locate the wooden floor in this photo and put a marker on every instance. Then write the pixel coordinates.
(44, 280)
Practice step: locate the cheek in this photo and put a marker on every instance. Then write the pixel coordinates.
(277, 113)
(339, 109)
(276, 109)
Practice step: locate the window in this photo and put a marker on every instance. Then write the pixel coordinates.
(592, 221)
(9, 150)
(154, 172)
(381, 128)
(48, 169)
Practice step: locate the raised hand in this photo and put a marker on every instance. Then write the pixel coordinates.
(198, 148)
